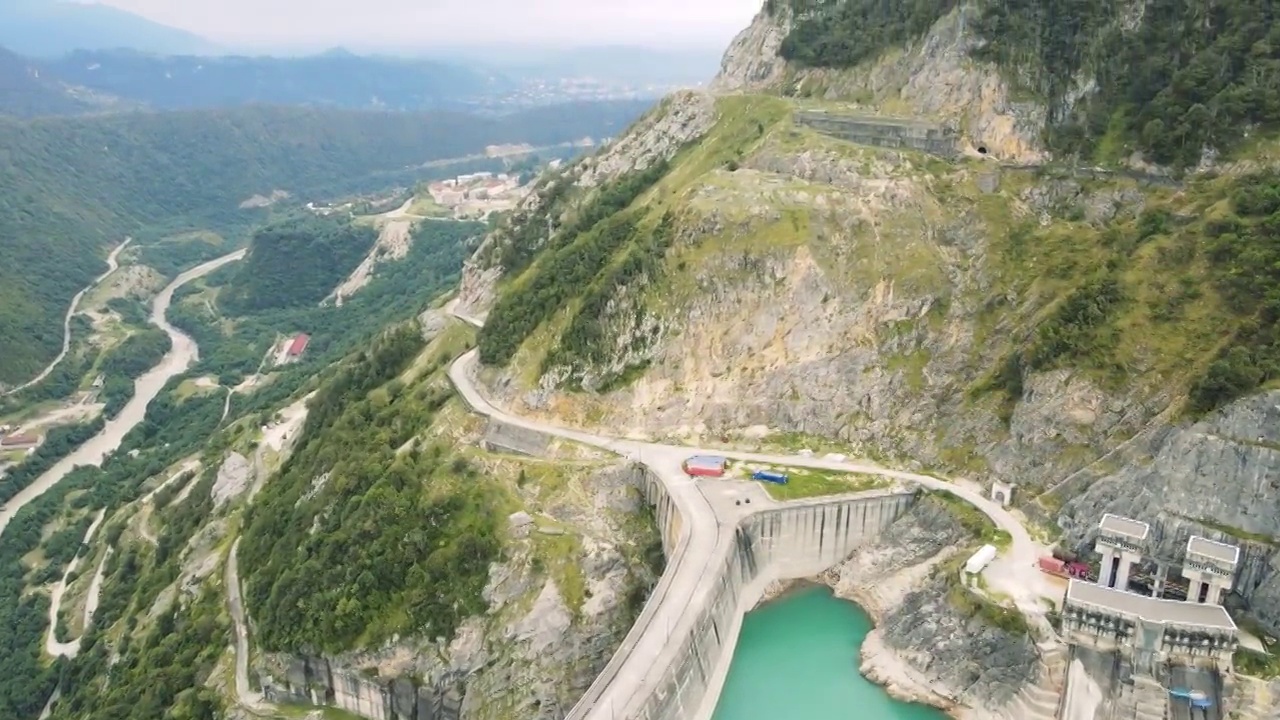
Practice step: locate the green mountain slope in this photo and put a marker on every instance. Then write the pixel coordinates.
(71, 186)
(896, 245)
(1171, 79)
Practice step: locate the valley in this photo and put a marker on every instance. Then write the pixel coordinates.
(924, 310)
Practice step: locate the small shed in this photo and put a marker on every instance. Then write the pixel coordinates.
(19, 442)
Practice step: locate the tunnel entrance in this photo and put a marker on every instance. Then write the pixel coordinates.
(1112, 572)
(982, 149)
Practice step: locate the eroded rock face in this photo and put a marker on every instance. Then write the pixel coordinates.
(752, 61)
(233, 479)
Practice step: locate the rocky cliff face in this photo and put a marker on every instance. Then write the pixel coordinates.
(752, 61)
(882, 302)
(549, 630)
(934, 78)
(924, 647)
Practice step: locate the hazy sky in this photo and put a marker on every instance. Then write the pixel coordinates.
(400, 22)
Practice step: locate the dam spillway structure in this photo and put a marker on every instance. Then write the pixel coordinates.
(782, 542)
(1142, 655)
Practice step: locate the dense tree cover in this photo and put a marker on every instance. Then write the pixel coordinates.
(530, 231)
(402, 539)
(171, 430)
(1245, 252)
(1188, 76)
(558, 277)
(126, 362)
(25, 93)
(1172, 79)
(65, 377)
(585, 343)
(398, 289)
(830, 33)
(71, 186)
(576, 254)
(296, 262)
(1218, 249)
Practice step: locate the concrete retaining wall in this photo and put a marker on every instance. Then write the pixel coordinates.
(882, 132)
(501, 437)
(784, 543)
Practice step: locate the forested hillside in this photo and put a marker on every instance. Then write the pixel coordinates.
(69, 187)
(1171, 80)
(296, 262)
(24, 92)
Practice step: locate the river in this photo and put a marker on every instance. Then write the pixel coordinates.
(181, 355)
(797, 658)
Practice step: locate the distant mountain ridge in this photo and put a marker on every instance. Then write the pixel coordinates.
(336, 78)
(49, 28)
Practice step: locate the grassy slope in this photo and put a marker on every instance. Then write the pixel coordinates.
(1161, 336)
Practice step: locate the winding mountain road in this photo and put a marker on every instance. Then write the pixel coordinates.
(112, 265)
(247, 698)
(709, 514)
(51, 644)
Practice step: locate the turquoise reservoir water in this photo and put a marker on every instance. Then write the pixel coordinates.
(797, 659)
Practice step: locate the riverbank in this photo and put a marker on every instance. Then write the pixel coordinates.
(182, 354)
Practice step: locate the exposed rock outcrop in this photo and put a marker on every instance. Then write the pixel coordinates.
(752, 61)
(923, 647)
(233, 479)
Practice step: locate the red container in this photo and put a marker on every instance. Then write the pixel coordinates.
(1053, 566)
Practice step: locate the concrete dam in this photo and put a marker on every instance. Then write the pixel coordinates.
(778, 543)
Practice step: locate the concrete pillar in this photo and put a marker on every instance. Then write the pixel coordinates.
(1157, 586)
(1104, 570)
(1122, 577)
(1193, 591)
(1217, 588)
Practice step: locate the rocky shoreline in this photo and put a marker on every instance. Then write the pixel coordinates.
(922, 649)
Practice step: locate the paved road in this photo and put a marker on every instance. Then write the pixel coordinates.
(708, 515)
(247, 697)
(112, 266)
(72, 648)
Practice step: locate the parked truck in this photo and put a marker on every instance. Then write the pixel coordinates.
(1063, 569)
(770, 476)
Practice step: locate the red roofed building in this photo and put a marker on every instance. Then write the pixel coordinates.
(299, 345)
